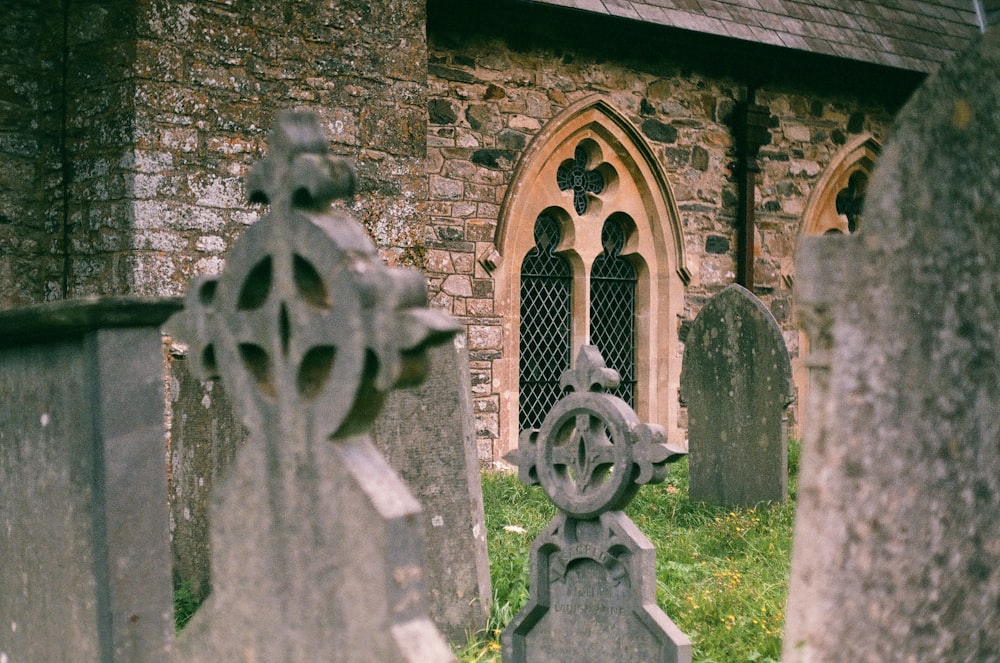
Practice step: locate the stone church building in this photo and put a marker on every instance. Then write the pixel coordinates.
(563, 171)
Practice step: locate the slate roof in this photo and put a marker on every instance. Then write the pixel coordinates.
(916, 35)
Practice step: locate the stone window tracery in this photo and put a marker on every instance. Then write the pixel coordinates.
(850, 200)
(546, 300)
(574, 176)
(589, 176)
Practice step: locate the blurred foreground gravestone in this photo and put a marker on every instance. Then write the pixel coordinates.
(316, 544)
(736, 381)
(593, 573)
(84, 556)
(897, 540)
(427, 433)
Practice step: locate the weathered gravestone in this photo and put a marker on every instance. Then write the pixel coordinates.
(736, 380)
(204, 435)
(316, 544)
(428, 434)
(84, 558)
(897, 541)
(593, 573)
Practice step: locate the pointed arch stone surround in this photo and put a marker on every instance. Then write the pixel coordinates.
(634, 186)
(820, 216)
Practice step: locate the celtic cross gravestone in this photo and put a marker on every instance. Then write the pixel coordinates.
(593, 573)
(317, 550)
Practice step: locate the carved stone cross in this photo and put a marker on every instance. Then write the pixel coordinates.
(593, 576)
(316, 550)
(591, 453)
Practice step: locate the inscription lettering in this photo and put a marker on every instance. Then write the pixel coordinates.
(589, 609)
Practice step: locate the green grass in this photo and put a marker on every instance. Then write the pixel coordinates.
(722, 574)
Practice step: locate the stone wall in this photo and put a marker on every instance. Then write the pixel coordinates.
(126, 126)
(496, 81)
(98, 134)
(31, 61)
(67, 127)
(212, 77)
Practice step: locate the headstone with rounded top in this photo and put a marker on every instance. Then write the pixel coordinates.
(736, 380)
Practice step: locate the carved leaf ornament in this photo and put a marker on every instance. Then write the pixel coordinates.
(306, 322)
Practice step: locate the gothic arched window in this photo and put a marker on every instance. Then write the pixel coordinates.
(589, 250)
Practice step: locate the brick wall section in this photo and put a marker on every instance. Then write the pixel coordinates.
(491, 91)
(30, 166)
(211, 78)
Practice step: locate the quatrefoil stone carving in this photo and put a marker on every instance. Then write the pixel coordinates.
(574, 176)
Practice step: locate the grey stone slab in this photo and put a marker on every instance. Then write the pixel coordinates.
(896, 553)
(73, 317)
(317, 548)
(736, 380)
(427, 433)
(85, 570)
(205, 435)
(593, 572)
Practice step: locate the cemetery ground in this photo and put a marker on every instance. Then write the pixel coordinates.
(722, 574)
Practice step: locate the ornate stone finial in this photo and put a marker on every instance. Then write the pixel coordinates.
(593, 581)
(299, 167)
(306, 316)
(592, 453)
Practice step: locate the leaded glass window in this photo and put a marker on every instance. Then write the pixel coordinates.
(573, 175)
(546, 284)
(612, 309)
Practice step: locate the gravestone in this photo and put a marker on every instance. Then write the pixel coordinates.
(896, 552)
(316, 544)
(84, 557)
(736, 380)
(204, 437)
(427, 433)
(593, 573)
